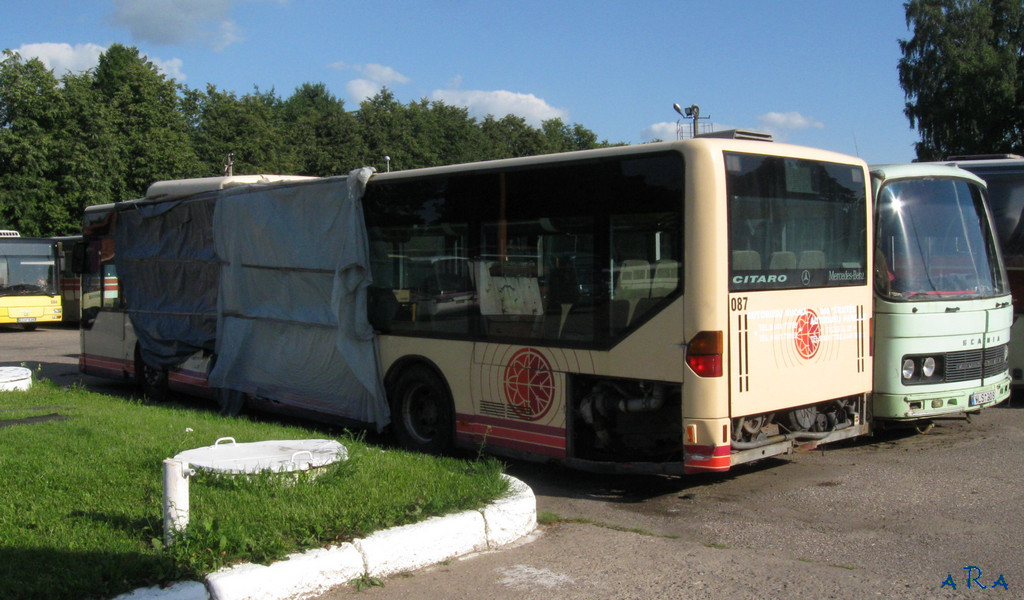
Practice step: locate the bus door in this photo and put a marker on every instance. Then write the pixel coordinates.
(105, 326)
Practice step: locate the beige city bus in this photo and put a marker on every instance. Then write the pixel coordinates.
(677, 307)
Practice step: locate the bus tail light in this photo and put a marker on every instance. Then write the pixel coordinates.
(704, 354)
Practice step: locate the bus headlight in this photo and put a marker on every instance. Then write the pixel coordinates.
(908, 368)
(923, 369)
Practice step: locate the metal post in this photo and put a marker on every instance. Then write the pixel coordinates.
(176, 475)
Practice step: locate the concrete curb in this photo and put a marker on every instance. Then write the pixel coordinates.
(383, 553)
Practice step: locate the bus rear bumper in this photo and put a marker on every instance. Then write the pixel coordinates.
(781, 447)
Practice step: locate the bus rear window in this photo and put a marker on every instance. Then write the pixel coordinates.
(795, 223)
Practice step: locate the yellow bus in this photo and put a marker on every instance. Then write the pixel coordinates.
(678, 307)
(29, 285)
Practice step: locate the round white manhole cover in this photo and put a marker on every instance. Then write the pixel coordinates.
(273, 456)
(15, 378)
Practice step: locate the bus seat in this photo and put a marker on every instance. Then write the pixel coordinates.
(746, 260)
(812, 259)
(782, 260)
(634, 284)
(666, 277)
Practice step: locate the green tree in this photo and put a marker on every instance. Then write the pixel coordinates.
(963, 76)
(325, 137)
(145, 119)
(510, 137)
(251, 128)
(32, 108)
(386, 131)
(89, 145)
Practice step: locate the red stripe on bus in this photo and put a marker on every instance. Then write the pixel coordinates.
(92, 364)
(711, 459)
(541, 439)
(189, 378)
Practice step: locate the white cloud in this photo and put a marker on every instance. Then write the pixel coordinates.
(170, 67)
(500, 103)
(383, 75)
(362, 89)
(171, 22)
(774, 122)
(374, 78)
(664, 131)
(62, 58)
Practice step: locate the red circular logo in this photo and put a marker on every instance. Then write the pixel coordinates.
(807, 334)
(529, 384)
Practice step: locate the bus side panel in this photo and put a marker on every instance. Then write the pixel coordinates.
(792, 348)
(519, 397)
(105, 348)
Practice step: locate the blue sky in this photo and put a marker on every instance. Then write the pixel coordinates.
(811, 72)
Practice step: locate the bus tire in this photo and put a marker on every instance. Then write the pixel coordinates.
(421, 411)
(230, 401)
(152, 380)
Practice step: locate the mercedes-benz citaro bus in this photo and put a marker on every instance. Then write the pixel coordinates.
(942, 304)
(673, 307)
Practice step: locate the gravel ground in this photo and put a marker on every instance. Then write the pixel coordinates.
(893, 516)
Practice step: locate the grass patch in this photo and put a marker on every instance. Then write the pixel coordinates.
(81, 509)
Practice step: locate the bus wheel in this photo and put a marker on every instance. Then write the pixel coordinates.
(29, 326)
(152, 380)
(230, 402)
(421, 411)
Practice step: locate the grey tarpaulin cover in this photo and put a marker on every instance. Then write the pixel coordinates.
(169, 247)
(291, 314)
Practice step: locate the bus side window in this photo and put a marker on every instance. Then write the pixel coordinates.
(111, 287)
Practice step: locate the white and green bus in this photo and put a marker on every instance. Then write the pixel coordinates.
(942, 304)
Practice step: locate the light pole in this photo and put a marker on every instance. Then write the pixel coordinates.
(690, 112)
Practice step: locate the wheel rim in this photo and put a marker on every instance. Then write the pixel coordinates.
(152, 377)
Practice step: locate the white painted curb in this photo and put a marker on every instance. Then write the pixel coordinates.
(383, 553)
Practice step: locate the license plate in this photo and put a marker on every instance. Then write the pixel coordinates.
(982, 397)
(26, 319)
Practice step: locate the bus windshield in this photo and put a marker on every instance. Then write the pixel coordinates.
(794, 223)
(27, 268)
(934, 238)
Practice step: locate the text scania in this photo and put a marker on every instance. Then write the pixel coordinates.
(760, 278)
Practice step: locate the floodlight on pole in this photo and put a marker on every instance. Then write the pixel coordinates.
(690, 112)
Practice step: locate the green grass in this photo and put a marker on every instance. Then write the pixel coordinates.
(81, 503)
